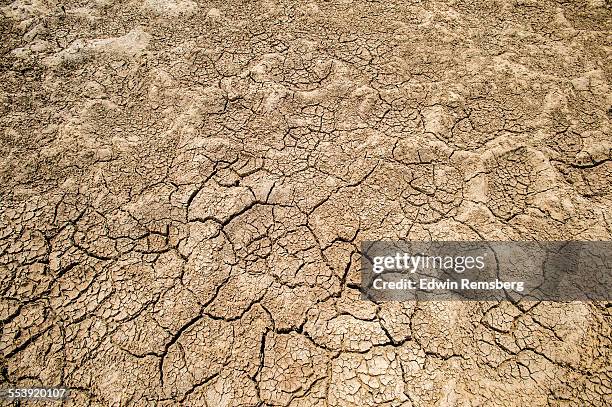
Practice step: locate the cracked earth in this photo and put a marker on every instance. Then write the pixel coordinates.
(184, 187)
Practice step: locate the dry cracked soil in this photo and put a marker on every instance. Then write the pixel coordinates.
(184, 187)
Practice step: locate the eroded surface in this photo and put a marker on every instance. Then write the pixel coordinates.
(184, 186)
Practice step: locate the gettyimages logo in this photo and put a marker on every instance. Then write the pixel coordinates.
(553, 271)
(412, 263)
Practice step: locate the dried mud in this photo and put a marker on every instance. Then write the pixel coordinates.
(184, 187)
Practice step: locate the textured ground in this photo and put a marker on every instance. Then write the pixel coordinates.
(184, 186)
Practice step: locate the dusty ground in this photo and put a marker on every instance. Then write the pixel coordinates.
(184, 186)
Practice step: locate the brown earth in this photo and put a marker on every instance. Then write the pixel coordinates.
(184, 186)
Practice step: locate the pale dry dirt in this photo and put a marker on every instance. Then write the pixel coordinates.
(184, 187)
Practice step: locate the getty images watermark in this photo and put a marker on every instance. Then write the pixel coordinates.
(548, 271)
